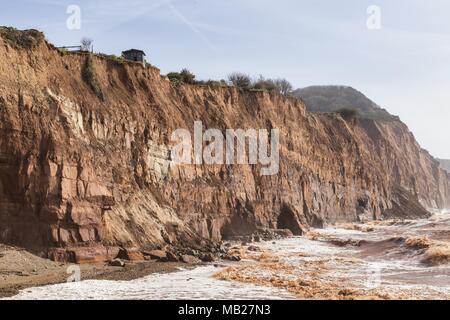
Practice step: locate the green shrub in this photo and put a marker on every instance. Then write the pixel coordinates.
(187, 76)
(174, 76)
(213, 83)
(117, 59)
(26, 39)
(282, 86)
(111, 57)
(265, 85)
(62, 51)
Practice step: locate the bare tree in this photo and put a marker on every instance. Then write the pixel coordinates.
(86, 44)
(283, 86)
(240, 80)
(264, 84)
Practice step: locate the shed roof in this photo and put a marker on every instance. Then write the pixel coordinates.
(134, 51)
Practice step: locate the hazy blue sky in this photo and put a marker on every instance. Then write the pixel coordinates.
(404, 67)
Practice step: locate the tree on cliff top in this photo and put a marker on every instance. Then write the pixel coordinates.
(284, 87)
(264, 84)
(185, 76)
(240, 80)
(86, 44)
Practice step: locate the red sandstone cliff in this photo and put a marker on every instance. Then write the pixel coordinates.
(86, 164)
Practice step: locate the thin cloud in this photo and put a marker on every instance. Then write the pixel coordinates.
(191, 26)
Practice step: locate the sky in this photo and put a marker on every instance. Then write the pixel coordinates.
(404, 66)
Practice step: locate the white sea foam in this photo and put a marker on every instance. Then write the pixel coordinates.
(196, 284)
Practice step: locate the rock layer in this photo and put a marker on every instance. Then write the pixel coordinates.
(85, 165)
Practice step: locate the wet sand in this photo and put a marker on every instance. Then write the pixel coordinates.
(20, 270)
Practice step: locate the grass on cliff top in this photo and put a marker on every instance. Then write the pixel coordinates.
(26, 39)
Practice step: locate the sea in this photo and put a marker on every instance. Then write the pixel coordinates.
(398, 259)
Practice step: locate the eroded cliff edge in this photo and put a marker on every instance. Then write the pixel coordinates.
(85, 167)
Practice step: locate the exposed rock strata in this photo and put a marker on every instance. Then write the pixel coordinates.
(84, 174)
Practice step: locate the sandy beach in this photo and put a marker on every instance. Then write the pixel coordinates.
(20, 270)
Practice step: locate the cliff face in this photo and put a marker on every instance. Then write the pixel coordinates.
(85, 163)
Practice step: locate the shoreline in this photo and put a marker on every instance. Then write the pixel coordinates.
(20, 269)
(37, 272)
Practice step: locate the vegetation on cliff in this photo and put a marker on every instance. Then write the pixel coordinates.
(90, 76)
(183, 77)
(26, 39)
(244, 81)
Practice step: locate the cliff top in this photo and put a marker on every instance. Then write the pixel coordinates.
(325, 99)
(21, 39)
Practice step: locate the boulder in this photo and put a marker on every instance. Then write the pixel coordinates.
(193, 252)
(285, 233)
(172, 257)
(208, 257)
(135, 256)
(116, 263)
(190, 259)
(131, 254)
(222, 248)
(234, 258)
(159, 255)
(254, 248)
